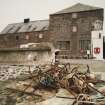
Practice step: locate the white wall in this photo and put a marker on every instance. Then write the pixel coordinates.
(26, 57)
(97, 43)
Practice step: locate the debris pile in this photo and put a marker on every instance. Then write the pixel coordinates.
(14, 71)
(58, 84)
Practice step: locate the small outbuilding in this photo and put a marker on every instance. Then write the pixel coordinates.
(39, 54)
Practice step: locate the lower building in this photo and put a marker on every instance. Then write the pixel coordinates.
(97, 43)
(38, 55)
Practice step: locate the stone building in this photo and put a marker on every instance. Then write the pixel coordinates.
(17, 34)
(71, 29)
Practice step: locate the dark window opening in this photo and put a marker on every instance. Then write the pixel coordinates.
(99, 35)
(17, 37)
(92, 27)
(82, 20)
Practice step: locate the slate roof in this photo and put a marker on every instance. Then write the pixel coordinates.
(40, 25)
(77, 8)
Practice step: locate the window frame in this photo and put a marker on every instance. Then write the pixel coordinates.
(63, 45)
(84, 44)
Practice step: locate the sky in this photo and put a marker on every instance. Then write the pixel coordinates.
(14, 11)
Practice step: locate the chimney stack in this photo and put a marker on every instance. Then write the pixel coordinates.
(26, 20)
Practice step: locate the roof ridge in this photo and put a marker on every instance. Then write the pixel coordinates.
(29, 21)
(89, 5)
(78, 7)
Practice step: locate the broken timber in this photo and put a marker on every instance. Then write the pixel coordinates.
(29, 93)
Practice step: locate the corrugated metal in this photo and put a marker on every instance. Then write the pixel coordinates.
(40, 25)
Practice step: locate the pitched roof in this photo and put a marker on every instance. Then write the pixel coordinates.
(77, 8)
(40, 25)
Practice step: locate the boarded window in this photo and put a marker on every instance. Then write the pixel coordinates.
(84, 44)
(74, 29)
(40, 36)
(74, 15)
(27, 37)
(63, 45)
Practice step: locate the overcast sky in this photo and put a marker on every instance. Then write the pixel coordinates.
(14, 11)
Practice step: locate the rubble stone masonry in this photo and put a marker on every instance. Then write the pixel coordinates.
(16, 39)
(63, 27)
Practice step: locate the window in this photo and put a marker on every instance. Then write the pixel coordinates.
(99, 35)
(74, 15)
(27, 37)
(63, 45)
(17, 37)
(82, 20)
(74, 29)
(84, 44)
(40, 36)
(98, 25)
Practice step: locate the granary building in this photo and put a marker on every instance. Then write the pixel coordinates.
(74, 32)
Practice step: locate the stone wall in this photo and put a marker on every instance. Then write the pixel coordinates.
(16, 39)
(61, 28)
(15, 63)
(26, 57)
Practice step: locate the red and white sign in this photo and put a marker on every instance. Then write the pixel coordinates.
(97, 50)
